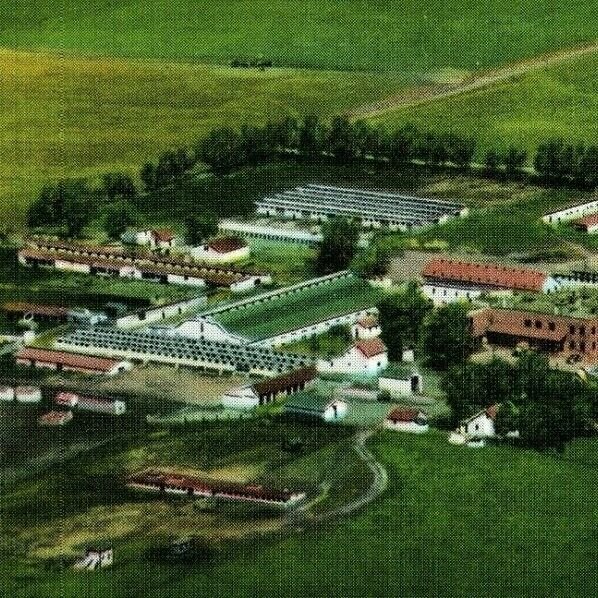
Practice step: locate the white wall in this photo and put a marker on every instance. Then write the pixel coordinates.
(154, 314)
(354, 362)
(207, 254)
(335, 411)
(398, 388)
(207, 329)
(412, 427)
(441, 295)
(571, 213)
(240, 398)
(358, 332)
(481, 425)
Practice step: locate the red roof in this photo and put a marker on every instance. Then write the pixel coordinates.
(403, 415)
(492, 410)
(586, 221)
(492, 275)
(371, 347)
(226, 244)
(72, 360)
(163, 234)
(54, 311)
(55, 418)
(216, 488)
(285, 381)
(368, 322)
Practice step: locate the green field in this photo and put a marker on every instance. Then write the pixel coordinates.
(67, 117)
(303, 308)
(453, 522)
(332, 34)
(558, 101)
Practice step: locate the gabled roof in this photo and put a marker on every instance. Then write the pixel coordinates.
(226, 244)
(371, 347)
(491, 275)
(490, 412)
(405, 415)
(369, 321)
(163, 234)
(281, 383)
(17, 307)
(310, 402)
(73, 360)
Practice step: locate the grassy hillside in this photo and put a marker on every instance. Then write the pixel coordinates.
(71, 117)
(338, 34)
(560, 101)
(453, 522)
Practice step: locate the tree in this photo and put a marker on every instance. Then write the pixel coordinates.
(77, 214)
(311, 136)
(338, 246)
(507, 418)
(223, 150)
(492, 161)
(341, 139)
(119, 217)
(118, 185)
(514, 160)
(400, 316)
(371, 262)
(445, 337)
(200, 228)
(148, 176)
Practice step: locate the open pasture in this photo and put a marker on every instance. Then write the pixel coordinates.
(369, 35)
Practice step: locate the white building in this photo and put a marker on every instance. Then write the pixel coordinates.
(365, 357)
(481, 424)
(449, 280)
(312, 405)
(571, 212)
(95, 558)
(154, 238)
(221, 250)
(366, 327)
(407, 420)
(401, 382)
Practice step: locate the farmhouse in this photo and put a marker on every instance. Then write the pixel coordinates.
(156, 238)
(400, 381)
(365, 357)
(558, 336)
(55, 418)
(222, 250)
(266, 391)
(366, 327)
(160, 347)
(194, 487)
(372, 209)
(587, 224)
(310, 404)
(572, 212)
(71, 362)
(407, 420)
(481, 424)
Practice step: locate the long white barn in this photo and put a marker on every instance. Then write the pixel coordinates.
(373, 209)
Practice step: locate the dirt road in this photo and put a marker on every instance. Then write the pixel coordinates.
(435, 91)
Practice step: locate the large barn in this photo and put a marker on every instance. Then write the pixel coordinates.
(373, 209)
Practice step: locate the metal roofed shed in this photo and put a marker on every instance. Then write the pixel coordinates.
(373, 209)
(312, 404)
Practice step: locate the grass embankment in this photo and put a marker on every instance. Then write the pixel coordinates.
(453, 522)
(558, 101)
(335, 34)
(71, 116)
(306, 307)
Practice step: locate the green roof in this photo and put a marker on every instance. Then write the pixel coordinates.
(308, 401)
(302, 308)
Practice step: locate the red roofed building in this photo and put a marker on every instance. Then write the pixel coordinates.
(407, 420)
(558, 336)
(162, 238)
(222, 249)
(588, 224)
(447, 280)
(55, 418)
(366, 357)
(35, 311)
(71, 362)
(194, 487)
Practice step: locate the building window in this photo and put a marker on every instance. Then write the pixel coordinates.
(571, 344)
(538, 324)
(582, 347)
(572, 329)
(551, 326)
(527, 323)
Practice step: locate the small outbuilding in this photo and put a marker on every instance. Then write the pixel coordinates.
(481, 424)
(400, 381)
(366, 327)
(407, 420)
(366, 357)
(221, 250)
(316, 406)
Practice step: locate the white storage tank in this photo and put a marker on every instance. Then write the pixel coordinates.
(28, 394)
(7, 393)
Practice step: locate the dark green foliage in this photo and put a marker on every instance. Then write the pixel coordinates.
(223, 150)
(338, 245)
(373, 261)
(200, 228)
(117, 185)
(401, 316)
(445, 338)
(119, 216)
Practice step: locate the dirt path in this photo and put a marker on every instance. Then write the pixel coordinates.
(435, 91)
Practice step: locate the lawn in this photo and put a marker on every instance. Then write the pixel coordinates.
(453, 522)
(309, 306)
(332, 34)
(74, 116)
(558, 101)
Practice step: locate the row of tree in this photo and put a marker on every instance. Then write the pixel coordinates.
(226, 150)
